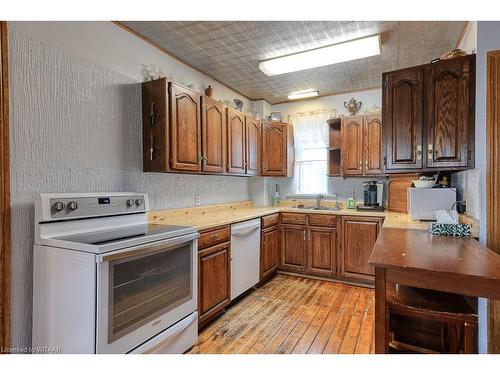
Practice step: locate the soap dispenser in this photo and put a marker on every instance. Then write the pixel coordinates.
(350, 201)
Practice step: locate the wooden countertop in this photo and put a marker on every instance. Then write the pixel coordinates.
(412, 249)
(205, 217)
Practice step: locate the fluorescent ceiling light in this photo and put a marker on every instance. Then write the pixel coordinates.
(309, 93)
(347, 51)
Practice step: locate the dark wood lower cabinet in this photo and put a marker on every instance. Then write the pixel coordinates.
(358, 237)
(269, 251)
(309, 248)
(214, 291)
(322, 250)
(293, 245)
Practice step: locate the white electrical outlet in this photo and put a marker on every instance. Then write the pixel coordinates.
(197, 200)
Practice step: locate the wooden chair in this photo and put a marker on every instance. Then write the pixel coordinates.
(427, 321)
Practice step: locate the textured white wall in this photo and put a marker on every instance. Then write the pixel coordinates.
(76, 126)
(110, 46)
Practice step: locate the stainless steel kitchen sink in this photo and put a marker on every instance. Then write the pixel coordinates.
(315, 208)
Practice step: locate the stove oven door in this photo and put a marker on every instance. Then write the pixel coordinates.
(143, 290)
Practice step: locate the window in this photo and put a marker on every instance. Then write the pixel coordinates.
(311, 142)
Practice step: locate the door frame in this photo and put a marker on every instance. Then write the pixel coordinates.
(4, 192)
(493, 183)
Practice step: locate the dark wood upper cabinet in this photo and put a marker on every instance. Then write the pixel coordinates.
(428, 116)
(155, 146)
(449, 88)
(402, 119)
(185, 128)
(235, 142)
(277, 149)
(361, 141)
(352, 145)
(186, 132)
(171, 117)
(252, 142)
(214, 130)
(372, 141)
(293, 248)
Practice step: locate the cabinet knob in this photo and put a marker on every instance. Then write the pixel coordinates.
(429, 151)
(419, 152)
(58, 206)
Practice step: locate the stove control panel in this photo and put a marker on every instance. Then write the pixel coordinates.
(66, 207)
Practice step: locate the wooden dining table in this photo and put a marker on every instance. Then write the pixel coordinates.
(419, 259)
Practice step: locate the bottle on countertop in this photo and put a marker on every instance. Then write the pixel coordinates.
(350, 201)
(276, 197)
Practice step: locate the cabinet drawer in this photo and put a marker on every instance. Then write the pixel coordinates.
(270, 220)
(290, 218)
(213, 237)
(323, 220)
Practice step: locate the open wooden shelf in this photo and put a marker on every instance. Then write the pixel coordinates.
(334, 147)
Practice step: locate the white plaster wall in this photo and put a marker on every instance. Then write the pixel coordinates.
(487, 40)
(340, 186)
(469, 41)
(369, 98)
(76, 126)
(468, 182)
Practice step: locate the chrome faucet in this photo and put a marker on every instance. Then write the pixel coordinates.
(318, 200)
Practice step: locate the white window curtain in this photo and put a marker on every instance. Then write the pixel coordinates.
(311, 150)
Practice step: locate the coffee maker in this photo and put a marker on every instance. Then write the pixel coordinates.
(373, 192)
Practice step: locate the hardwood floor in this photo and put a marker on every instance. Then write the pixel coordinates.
(294, 315)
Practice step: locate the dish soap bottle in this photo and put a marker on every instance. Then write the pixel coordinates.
(276, 197)
(350, 201)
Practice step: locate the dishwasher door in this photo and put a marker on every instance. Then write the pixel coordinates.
(245, 256)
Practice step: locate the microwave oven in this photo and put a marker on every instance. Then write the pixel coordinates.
(424, 202)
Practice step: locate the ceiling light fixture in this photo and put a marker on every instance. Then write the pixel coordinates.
(337, 53)
(309, 93)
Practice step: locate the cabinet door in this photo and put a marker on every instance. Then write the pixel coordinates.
(269, 251)
(155, 150)
(447, 112)
(185, 129)
(235, 141)
(293, 248)
(252, 140)
(359, 236)
(372, 139)
(213, 280)
(352, 146)
(274, 149)
(322, 245)
(402, 119)
(214, 136)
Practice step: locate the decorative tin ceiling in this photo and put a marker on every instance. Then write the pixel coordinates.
(230, 51)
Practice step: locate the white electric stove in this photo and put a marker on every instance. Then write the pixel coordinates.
(106, 281)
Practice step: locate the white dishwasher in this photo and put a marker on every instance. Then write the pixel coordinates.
(245, 256)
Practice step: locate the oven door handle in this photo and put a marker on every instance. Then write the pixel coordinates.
(148, 249)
